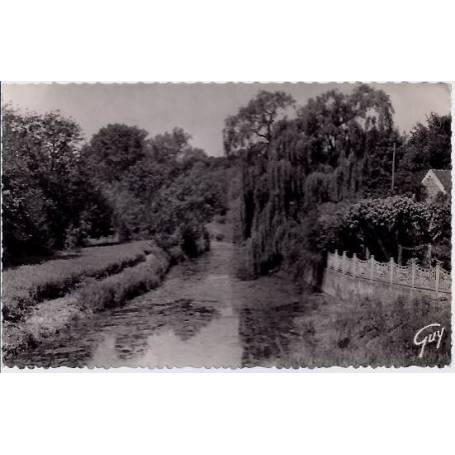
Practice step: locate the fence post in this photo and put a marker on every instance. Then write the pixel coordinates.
(413, 272)
(372, 267)
(354, 265)
(438, 269)
(337, 260)
(391, 269)
(344, 260)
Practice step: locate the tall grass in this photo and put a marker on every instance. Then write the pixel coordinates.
(390, 328)
(375, 333)
(115, 290)
(25, 286)
(91, 295)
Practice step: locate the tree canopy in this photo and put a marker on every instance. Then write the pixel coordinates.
(253, 125)
(339, 149)
(45, 184)
(428, 147)
(58, 192)
(114, 149)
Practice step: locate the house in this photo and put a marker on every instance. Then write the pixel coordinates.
(437, 181)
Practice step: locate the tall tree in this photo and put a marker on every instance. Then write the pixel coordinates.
(114, 149)
(428, 147)
(253, 124)
(174, 146)
(352, 134)
(336, 146)
(43, 193)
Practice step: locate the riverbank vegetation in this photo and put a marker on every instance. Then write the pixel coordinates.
(28, 285)
(59, 192)
(115, 290)
(35, 322)
(151, 196)
(336, 173)
(382, 335)
(319, 177)
(296, 182)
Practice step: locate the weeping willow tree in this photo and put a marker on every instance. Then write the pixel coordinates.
(337, 147)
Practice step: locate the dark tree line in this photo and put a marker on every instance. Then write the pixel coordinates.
(58, 191)
(303, 173)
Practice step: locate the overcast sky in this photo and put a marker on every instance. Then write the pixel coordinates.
(200, 109)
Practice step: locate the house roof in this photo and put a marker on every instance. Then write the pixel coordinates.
(445, 178)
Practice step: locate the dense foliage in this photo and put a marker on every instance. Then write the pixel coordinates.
(302, 178)
(59, 192)
(47, 196)
(428, 147)
(380, 226)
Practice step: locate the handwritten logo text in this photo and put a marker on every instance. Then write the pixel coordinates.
(431, 333)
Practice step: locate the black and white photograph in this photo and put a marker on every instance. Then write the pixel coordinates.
(226, 225)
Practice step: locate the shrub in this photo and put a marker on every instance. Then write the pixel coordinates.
(190, 234)
(75, 237)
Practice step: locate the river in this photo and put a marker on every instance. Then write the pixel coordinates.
(202, 315)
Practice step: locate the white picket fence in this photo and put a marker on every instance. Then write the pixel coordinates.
(433, 279)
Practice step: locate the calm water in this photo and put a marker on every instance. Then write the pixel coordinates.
(202, 315)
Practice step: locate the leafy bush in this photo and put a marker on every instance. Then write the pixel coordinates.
(188, 240)
(382, 224)
(194, 240)
(75, 237)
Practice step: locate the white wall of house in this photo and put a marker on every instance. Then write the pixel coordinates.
(432, 185)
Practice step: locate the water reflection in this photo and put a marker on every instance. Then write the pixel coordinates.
(202, 315)
(183, 317)
(267, 333)
(121, 337)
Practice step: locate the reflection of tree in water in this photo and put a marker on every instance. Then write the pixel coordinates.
(186, 317)
(183, 316)
(133, 328)
(267, 333)
(75, 346)
(131, 345)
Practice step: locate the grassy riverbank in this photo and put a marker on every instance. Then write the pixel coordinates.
(369, 333)
(318, 330)
(27, 285)
(40, 300)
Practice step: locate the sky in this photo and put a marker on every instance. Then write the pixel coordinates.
(200, 109)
